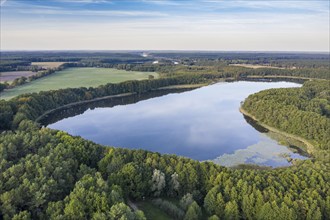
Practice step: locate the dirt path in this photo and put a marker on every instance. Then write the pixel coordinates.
(132, 205)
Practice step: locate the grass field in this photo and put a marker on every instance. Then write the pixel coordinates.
(153, 212)
(74, 78)
(47, 65)
(253, 66)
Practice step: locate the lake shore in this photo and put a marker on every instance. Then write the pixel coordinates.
(310, 147)
(83, 102)
(175, 87)
(184, 86)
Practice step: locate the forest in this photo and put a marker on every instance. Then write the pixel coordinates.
(287, 109)
(49, 174)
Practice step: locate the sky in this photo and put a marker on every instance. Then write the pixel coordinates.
(217, 25)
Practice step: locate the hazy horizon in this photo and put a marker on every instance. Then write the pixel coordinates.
(165, 25)
(183, 51)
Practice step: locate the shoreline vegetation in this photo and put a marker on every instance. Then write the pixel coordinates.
(175, 87)
(185, 86)
(282, 111)
(83, 102)
(310, 147)
(171, 87)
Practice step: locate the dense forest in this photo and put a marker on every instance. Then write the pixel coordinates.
(288, 109)
(49, 174)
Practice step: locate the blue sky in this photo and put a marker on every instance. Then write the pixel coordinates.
(259, 25)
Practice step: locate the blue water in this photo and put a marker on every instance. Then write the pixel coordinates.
(203, 124)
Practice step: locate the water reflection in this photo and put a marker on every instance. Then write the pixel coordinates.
(105, 103)
(202, 124)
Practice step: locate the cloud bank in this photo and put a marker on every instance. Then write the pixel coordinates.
(165, 24)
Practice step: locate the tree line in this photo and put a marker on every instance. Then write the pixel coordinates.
(288, 109)
(31, 106)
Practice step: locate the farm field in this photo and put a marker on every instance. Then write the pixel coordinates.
(74, 78)
(47, 65)
(10, 76)
(253, 66)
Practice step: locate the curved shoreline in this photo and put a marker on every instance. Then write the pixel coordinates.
(310, 147)
(184, 86)
(83, 102)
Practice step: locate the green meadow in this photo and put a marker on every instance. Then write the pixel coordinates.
(153, 212)
(76, 77)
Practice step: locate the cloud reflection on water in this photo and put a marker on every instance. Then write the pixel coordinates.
(201, 124)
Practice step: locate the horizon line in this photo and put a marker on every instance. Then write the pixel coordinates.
(169, 50)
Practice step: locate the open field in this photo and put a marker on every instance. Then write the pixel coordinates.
(258, 66)
(152, 212)
(74, 78)
(47, 65)
(10, 76)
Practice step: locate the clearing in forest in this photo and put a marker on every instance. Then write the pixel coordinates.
(255, 66)
(47, 65)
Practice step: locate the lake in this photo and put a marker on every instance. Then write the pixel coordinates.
(202, 124)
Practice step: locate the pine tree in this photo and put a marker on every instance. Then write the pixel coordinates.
(220, 205)
(231, 211)
(194, 212)
(214, 217)
(248, 206)
(210, 204)
(314, 213)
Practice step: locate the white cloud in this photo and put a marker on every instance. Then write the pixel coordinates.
(2, 2)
